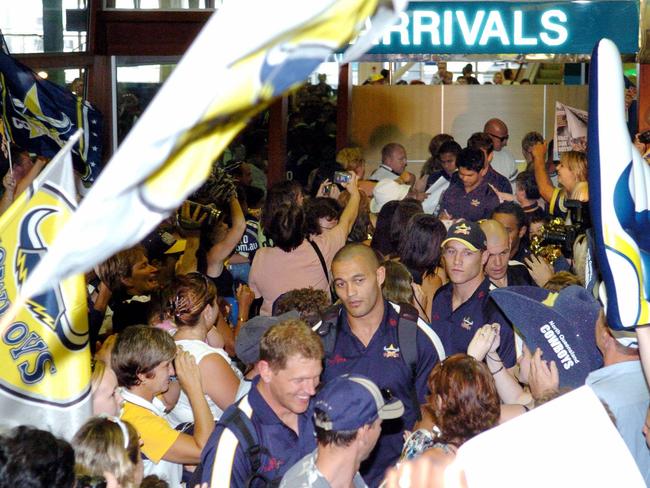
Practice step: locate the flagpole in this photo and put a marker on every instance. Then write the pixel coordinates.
(8, 141)
(5, 129)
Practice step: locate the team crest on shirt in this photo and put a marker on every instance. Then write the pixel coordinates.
(462, 228)
(391, 352)
(475, 202)
(467, 323)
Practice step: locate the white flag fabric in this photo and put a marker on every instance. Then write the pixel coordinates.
(237, 65)
(570, 441)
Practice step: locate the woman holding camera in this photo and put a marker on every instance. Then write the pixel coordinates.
(296, 260)
(572, 176)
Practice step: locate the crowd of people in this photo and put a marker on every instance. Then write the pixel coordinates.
(443, 76)
(325, 334)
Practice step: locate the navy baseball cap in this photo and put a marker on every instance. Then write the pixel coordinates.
(561, 324)
(467, 233)
(352, 401)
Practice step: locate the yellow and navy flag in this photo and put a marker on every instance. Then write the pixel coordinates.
(239, 63)
(40, 116)
(45, 373)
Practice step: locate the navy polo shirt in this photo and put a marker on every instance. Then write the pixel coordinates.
(494, 178)
(382, 362)
(456, 328)
(498, 181)
(226, 465)
(475, 205)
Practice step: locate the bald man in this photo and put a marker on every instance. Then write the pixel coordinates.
(367, 329)
(501, 271)
(503, 161)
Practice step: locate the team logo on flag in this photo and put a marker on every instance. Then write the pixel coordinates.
(44, 353)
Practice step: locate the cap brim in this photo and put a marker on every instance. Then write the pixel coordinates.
(392, 410)
(464, 242)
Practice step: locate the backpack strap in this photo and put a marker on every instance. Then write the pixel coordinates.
(236, 420)
(407, 329)
(329, 327)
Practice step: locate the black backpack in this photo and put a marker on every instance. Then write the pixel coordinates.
(236, 421)
(407, 329)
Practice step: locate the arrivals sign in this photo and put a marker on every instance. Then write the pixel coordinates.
(512, 27)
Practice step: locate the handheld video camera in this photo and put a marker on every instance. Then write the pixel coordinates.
(558, 237)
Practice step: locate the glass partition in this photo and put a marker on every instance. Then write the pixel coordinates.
(37, 26)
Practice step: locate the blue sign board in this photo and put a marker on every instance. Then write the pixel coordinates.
(505, 27)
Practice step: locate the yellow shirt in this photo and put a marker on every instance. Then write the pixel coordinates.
(156, 433)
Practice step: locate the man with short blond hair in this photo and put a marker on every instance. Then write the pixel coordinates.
(269, 429)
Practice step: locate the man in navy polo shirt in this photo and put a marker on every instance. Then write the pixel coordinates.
(367, 343)
(470, 197)
(482, 141)
(277, 405)
(463, 305)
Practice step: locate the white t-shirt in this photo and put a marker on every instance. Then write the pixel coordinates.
(182, 412)
(504, 162)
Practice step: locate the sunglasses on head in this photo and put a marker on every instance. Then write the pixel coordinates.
(501, 138)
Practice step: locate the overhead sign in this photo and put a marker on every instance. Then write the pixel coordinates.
(505, 27)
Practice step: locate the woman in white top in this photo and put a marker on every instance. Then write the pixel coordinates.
(194, 310)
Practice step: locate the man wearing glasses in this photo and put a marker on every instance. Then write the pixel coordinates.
(503, 161)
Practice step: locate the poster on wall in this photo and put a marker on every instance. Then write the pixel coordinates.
(570, 129)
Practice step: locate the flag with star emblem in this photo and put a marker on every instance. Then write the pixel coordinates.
(45, 373)
(207, 100)
(40, 116)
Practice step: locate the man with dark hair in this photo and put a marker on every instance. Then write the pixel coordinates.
(463, 305)
(527, 192)
(438, 181)
(482, 141)
(269, 429)
(470, 197)
(35, 458)
(368, 335)
(393, 164)
(347, 413)
(513, 219)
(509, 77)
